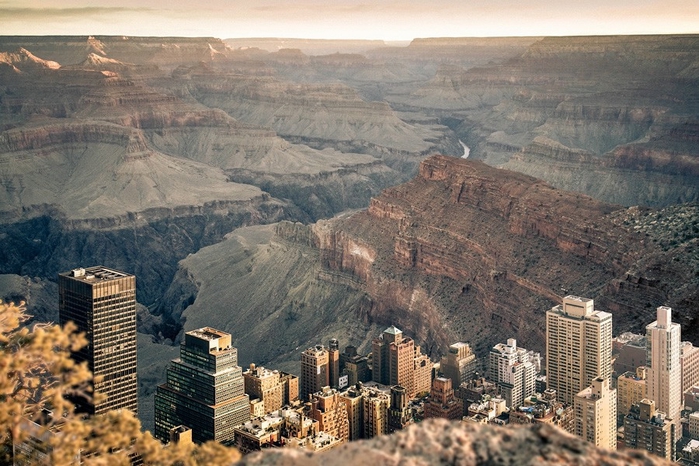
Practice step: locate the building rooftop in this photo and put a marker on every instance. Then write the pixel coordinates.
(95, 274)
(393, 330)
(207, 333)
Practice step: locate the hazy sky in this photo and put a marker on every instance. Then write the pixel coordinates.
(340, 19)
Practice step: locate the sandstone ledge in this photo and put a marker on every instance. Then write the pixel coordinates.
(440, 442)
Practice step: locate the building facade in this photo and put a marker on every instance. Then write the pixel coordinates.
(595, 414)
(315, 373)
(399, 412)
(396, 360)
(205, 390)
(510, 368)
(664, 372)
(689, 360)
(101, 302)
(631, 389)
(647, 429)
(330, 412)
(266, 386)
(334, 363)
(442, 402)
(376, 405)
(578, 346)
(459, 364)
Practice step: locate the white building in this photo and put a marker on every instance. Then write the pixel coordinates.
(664, 373)
(513, 371)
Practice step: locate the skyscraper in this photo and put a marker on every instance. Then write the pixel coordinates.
(102, 303)
(459, 364)
(315, 373)
(266, 386)
(334, 363)
(204, 389)
(664, 372)
(578, 346)
(397, 361)
(595, 414)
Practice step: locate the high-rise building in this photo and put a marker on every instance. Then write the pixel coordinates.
(290, 388)
(368, 411)
(314, 371)
(330, 412)
(515, 375)
(459, 364)
(376, 405)
(664, 372)
(334, 363)
(595, 414)
(442, 402)
(422, 373)
(578, 346)
(380, 359)
(689, 360)
(399, 413)
(631, 389)
(647, 429)
(353, 401)
(102, 304)
(397, 361)
(266, 386)
(205, 390)
(401, 363)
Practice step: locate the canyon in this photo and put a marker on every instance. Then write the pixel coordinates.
(293, 195)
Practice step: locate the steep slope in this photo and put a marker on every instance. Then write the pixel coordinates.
(462, 252)
(273, 291)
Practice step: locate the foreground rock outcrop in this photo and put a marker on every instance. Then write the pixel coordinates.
(435, 442)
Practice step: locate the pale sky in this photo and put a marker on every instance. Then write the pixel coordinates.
(348, 19)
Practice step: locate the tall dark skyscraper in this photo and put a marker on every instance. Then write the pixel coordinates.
(205, 390)
(102, 303)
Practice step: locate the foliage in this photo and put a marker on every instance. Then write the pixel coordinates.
(37, 374)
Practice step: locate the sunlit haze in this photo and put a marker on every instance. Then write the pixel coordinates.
(348, 19)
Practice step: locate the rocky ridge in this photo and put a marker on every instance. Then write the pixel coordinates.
(436, 441)
(462, 252)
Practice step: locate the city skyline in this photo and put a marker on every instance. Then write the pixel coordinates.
(312, 19)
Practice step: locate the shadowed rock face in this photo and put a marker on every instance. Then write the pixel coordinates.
(439, 442)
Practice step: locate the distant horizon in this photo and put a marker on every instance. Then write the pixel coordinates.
(349, 39)
(387, 20)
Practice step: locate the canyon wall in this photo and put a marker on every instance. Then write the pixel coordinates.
(612, 117)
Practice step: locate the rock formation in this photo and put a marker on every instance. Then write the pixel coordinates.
(462, 252)
(613, 117)
(440, 442)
